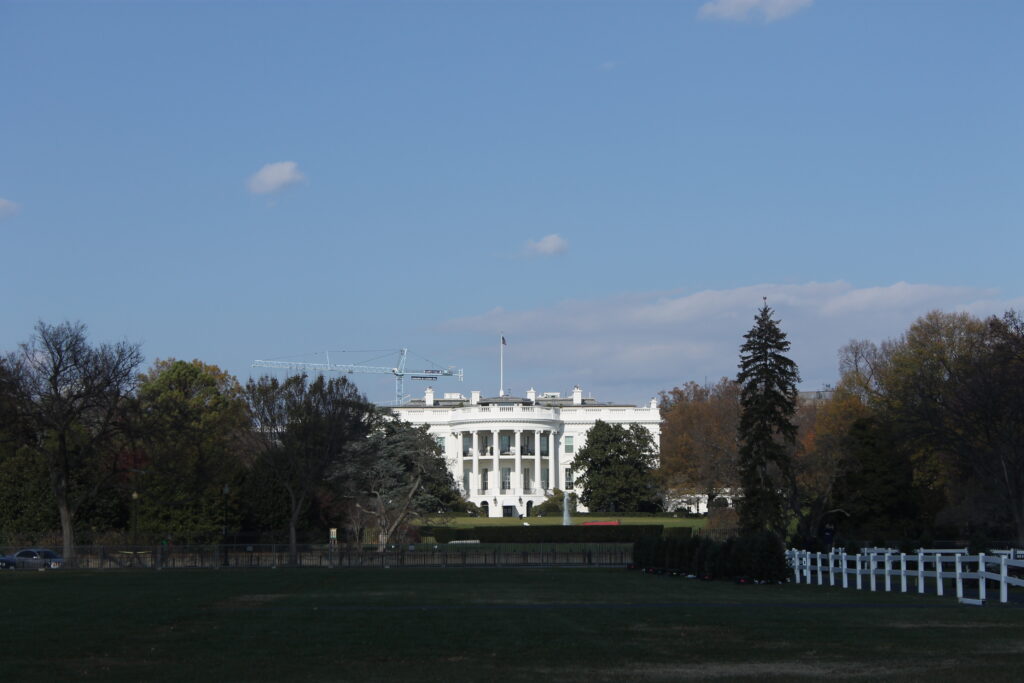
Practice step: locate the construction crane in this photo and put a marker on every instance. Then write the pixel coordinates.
(399, 371)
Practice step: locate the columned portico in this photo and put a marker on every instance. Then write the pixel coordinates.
(505, 451)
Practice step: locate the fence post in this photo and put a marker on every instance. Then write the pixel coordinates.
(938, 573)
(794, 557)
(821, 579)
(807, 566)
(871, 570)
(920, 571)
(959, 576)
(888, 572)
(856, 569)
(846, 577)
(982, 587)
(1002, 579)
(903, 572)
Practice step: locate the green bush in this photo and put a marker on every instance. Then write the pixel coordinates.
(627, 533)
(757, 556)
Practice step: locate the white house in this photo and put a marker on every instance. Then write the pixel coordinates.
(507, 453)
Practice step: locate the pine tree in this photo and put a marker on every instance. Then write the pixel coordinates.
(766, 432)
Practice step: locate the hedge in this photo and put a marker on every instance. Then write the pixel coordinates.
(626, 533)
(756, 556)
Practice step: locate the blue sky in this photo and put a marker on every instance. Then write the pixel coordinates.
(613, 185)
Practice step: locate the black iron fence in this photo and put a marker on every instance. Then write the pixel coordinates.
(327, 556)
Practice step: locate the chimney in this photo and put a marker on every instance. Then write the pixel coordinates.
(532, 395)
(474, 398)
(428, 396)
(577, 395)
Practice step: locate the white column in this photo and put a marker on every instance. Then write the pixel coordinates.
(496, 454)
(536, 461)
(474, 483)
(552, 461)
(518, 479)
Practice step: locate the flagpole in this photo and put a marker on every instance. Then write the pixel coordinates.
(501, 364)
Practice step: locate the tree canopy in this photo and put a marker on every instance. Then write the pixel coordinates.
(699, 438)
(615, 469)
(398, 473)
(69, 397)
(189, 426)
(302, 431)
(768, 380)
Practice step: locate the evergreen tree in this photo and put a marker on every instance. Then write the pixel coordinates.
(616, 469)
(766, 432)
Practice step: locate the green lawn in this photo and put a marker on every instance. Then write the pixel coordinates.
(485, 624)
(696, 523)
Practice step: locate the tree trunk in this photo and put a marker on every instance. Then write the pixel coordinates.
(293, 523)
(59, 479)
(67, 528)
(1018, 518)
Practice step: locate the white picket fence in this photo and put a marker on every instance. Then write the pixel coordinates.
(884, 567)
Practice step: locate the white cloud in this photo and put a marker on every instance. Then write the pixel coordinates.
(741, 10)
(629, 347)
(274, 177)
(548, 245)
(7, 208)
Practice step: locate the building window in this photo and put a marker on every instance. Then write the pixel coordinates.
(467, 444)
(568, 478)
(568, 444)
(506, 478)
(544, 445)
(544, 480)
(506, 443)
(466, 481)
(483, 479)
(440, 443)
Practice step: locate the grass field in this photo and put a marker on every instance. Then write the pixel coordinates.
(696, 522)
(499, 625)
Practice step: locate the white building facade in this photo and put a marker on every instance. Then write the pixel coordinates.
(508, 453)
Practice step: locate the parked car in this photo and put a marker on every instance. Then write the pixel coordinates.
(32, 558)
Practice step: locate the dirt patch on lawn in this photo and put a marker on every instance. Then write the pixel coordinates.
(252, 600)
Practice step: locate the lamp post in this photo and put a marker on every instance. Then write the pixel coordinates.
(135, 517)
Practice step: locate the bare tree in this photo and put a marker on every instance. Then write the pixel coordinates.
(70, 395)
(302, 430)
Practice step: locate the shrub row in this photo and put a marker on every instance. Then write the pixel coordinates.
(756, 556)
(626, 533)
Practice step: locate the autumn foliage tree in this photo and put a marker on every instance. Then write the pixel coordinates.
(699, 439)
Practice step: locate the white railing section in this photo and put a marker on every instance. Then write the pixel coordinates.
(883, 567)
